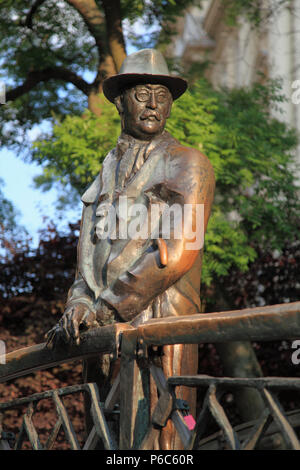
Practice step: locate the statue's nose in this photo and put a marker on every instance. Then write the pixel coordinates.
(152, 101)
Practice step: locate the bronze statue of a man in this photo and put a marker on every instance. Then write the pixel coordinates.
(132, 279)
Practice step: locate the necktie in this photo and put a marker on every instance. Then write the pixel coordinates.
(131, 162)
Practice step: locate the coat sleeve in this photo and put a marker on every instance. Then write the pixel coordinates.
(189, 180)
(79, 292)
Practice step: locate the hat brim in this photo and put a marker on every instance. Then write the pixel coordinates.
(114, 85)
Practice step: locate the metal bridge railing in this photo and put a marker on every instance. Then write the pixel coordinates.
(132, 344)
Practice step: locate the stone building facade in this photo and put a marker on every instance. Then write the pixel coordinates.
(237, 54)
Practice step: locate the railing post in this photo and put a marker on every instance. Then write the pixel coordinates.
(134, 395)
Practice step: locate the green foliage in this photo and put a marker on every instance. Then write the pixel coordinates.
(226, 246)
(255, 11)
(256, 203)
(72, 156)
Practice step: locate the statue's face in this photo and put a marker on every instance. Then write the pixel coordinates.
(145, 110)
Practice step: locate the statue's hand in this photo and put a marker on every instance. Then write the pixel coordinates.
(67, 329)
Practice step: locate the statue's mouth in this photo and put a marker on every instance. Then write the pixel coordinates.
(151, 117)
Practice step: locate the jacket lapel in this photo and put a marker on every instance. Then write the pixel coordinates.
(135, 184)
(93, 254)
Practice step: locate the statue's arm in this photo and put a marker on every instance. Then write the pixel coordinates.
(191, 178)
(79, 309)
(79, 293)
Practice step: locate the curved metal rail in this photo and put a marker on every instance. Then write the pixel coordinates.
(269, 323)
(257, 324)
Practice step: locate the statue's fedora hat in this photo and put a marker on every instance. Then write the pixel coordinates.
(144, 66)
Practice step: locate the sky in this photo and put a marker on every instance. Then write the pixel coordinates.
(36, 208)
(32, 203)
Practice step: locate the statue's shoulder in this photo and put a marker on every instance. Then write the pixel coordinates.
(92, 192)
(187, 156)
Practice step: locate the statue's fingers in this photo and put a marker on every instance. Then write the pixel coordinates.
(85, 316)
(74, 330)
(70, 319)
(95, 324)
(89, 320)
(51, 337)
(48, 334)
(65, 328)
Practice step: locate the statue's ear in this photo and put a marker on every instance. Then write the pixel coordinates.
(119, 104)
(170, 107)
(170, 104)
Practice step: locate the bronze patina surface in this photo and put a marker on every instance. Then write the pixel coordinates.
(134, 280)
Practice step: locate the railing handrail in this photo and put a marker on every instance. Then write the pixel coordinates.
(269, 323)
(38, 357)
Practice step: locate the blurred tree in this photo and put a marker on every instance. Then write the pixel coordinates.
(13, 236)
(56, 54)
(8, 213)
(254, 11)
(45, 271)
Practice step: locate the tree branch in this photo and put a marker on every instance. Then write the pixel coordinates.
(59, 73)
(93, 19)
(115, 37)
(30, 14)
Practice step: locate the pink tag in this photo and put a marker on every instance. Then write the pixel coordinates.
(190, 422)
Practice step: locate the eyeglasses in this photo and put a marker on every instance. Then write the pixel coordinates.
(144, 95)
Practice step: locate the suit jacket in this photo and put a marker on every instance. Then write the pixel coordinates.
(127, 274)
